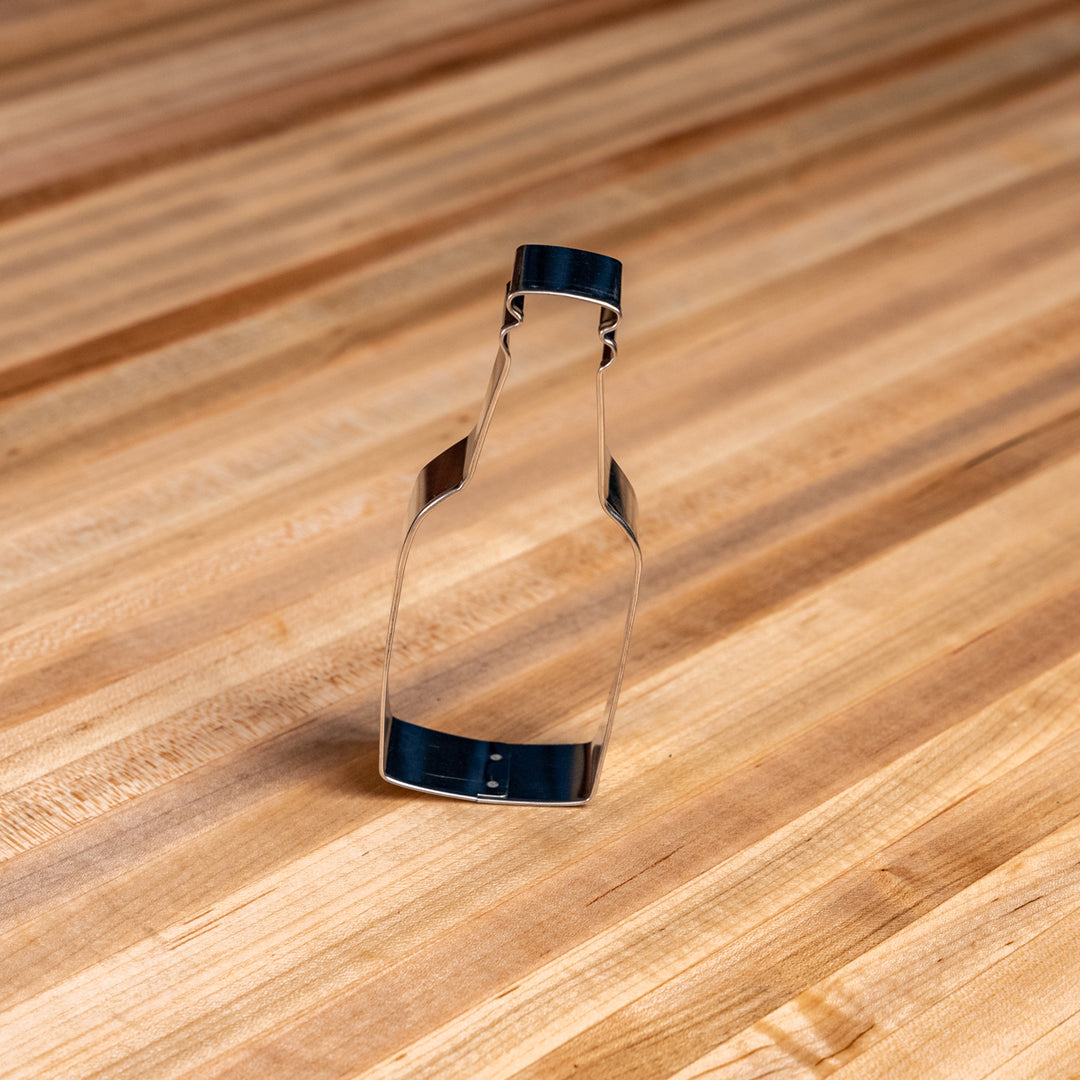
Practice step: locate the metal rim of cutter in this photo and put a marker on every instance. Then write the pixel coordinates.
(480, 770)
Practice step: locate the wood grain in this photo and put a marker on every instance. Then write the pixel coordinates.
(252, 257)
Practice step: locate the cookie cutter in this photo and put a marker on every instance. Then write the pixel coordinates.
(481, 770)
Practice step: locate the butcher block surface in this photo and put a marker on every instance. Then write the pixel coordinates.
(252, 263)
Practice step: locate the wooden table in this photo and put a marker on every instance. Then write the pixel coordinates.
(251, 267)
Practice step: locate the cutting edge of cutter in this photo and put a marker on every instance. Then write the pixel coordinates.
(490, 771)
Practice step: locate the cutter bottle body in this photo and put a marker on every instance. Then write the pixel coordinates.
(562, 774)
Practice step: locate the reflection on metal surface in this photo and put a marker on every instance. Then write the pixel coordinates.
(477, 769)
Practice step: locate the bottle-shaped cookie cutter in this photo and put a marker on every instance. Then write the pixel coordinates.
(481, 770)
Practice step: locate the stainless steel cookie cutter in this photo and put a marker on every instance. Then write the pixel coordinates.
(560, 774)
